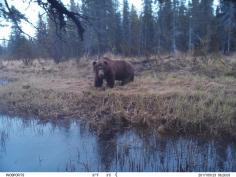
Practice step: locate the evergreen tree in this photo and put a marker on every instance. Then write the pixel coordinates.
(147, 32)
(42, 38)
(73, 45)
(100, 34)
(19, 47)
(227, 21)
(164, 21)
(182, 27)
(117, 35)
(190, 27)
(126, 28)
(1, 50)
(134, 32)
(55, 40)
(176, 25)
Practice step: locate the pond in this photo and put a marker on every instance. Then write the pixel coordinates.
(32, 145)
(3, 82)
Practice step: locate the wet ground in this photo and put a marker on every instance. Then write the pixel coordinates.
(33, 145)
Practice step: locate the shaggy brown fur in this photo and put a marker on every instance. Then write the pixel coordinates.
(112, 70)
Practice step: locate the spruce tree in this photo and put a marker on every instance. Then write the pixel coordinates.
(126, 28)
(147, 31)
(42, 38)
(134, 32)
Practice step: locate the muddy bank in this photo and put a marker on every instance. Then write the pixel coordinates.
(179, 102)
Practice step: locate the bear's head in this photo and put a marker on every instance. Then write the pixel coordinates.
(100, 68)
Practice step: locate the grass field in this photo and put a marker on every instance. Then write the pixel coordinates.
(183, 95)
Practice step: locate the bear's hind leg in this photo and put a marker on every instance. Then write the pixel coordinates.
(129, 79)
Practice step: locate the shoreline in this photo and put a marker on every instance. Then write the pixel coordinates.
(103, 110)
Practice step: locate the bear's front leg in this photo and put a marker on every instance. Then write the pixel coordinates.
(98, 82)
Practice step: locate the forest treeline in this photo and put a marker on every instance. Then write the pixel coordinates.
(194, 26)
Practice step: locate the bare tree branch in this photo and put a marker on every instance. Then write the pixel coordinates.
(53, 8)
(59, 12)
(16, 17)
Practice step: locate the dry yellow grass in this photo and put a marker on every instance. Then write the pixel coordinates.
(186, 95)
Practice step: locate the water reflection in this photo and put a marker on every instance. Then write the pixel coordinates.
(3, 82)
(33, 145)
(3, 138)
(107, 148)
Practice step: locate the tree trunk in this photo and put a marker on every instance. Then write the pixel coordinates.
(190, 36)
(228, 41)
(174, 29)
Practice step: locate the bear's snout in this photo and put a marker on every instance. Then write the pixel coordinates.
(100, 73)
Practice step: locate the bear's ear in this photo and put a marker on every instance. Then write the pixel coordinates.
(94, 63)
(105, 62)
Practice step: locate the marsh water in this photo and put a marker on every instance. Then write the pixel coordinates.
(33, 145)
(3, 82)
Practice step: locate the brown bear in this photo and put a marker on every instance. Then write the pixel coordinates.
(112, 70)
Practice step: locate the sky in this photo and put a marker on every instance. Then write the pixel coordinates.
(32, 14)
